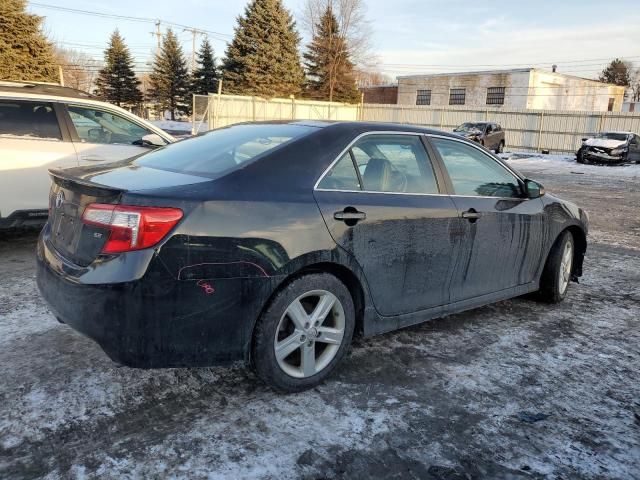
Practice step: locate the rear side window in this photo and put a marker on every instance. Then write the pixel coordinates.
(386, 163)
(35, 120)
(222, 150)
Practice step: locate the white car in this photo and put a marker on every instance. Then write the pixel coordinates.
(46, 126)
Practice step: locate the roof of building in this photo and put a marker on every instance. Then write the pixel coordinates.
(502, 72)
(42, 88)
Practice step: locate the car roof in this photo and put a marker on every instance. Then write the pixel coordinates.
(41, 88)
(360, 127)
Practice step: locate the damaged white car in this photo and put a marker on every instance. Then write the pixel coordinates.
(610, 148)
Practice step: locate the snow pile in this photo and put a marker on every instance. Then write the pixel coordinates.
(172, 125)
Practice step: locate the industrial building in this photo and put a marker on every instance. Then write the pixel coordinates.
(522, 88)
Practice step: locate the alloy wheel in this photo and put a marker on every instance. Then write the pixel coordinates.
(309, 334)
(565, 267)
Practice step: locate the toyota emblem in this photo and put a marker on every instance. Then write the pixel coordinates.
(59, 199)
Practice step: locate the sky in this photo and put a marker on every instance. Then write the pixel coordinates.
(408, 36)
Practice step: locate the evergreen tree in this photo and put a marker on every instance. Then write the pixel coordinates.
(117, 82)
(205, 77)
(169, 79)
(263, 57)
(329, 67)
(617, 72)
(25, 53)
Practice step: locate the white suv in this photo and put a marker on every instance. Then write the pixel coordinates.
(45, 126)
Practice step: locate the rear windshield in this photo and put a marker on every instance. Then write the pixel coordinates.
(221, 151)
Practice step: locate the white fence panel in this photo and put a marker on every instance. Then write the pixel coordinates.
(524, 129)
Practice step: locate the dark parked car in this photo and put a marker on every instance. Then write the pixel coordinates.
(275, 243)
(610, 147)
(488, 134)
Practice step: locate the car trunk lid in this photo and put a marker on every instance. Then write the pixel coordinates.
(68, 198)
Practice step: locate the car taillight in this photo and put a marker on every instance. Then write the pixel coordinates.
(131, 227)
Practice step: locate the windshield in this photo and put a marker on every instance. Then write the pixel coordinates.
(222, 150)
(471, 127)
(613, 136)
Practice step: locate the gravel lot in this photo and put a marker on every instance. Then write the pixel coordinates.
(513, 390)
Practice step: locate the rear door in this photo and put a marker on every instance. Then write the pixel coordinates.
(104, 136)
(382, 203)
(502, 230)
(32, 140)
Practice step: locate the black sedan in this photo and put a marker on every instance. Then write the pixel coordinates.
(275, 243)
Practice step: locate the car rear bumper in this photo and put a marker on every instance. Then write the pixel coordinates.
(24, 218)
(156, 321)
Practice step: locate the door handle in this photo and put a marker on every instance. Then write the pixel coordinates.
(350, 216)
(471, 215)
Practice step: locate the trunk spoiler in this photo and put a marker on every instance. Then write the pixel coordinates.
(66, 179)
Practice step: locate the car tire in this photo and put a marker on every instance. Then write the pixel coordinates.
(580, 157)
(316, 346)
(500, 148)
(556, 276)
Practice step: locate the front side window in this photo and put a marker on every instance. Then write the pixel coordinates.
(34, 120)
(473, 173)
(388, 163)
(98, 126)
(222, 150)
(423, 97)
(457, 96)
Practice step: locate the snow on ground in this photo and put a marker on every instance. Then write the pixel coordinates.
(538, 162)
(513, 390)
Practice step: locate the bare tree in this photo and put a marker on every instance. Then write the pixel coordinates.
(371, 78)
(353, 26)
(78, 68)
(635, 86)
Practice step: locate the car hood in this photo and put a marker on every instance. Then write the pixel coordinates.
(604, 142)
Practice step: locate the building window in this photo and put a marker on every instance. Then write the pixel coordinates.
(456, 96)
(424, 97)
(495, 96)
(612, 101)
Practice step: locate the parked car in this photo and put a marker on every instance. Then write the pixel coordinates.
(610, 148)
(487, 134)
(274, 243)
(45, 125)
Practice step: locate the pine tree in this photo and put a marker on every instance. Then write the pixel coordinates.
(170, 78)
(263, 58)
(329, 68)
(117, 82)
(205, 77)
(25, 53)
(617, 72)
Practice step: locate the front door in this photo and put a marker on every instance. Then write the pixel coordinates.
(382, 203)
(31, 142)
(634, 149)
(502, 230)
(103, 136)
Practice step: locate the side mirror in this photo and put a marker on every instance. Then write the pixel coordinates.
(533, 189)
(153, 140)
(585, 139)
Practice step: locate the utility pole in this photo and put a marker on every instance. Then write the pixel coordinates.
(157, 33)
(194, 32)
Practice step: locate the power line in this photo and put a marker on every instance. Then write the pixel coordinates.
(129, 18)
